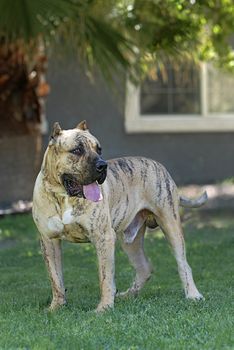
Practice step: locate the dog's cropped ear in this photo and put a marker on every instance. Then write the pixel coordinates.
(82, 125)
(55, 132)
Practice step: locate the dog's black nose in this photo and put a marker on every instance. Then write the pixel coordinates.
(101, 166)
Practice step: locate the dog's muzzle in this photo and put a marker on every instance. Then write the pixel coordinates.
(101, 168)
(71, 186)
(90, 191)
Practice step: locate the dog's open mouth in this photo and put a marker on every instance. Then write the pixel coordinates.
(91, 191)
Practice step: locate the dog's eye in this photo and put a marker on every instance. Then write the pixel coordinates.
(78, 151)
(99, 149)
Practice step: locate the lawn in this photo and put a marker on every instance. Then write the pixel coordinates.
(160, 318)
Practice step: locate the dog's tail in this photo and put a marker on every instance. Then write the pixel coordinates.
(194, 203)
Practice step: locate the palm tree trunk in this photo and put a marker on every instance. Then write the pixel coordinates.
(21, 88)
(22, 91)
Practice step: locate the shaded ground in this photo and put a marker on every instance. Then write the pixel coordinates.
(220, 196)
(160, 318)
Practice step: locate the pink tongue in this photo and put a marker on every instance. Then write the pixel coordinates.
(92, 192)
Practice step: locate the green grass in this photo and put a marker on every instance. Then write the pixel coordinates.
(160, 318)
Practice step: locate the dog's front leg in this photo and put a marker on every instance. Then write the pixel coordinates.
(105, 246)
(51, 249)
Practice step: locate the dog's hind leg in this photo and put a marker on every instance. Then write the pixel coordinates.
(136, 255)
(171, 226)
(51, 249)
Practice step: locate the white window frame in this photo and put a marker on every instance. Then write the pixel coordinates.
(135, 122)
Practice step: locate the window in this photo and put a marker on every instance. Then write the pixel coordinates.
(185, 98)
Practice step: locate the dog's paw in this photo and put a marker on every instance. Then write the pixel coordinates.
(128, 293)
(55, 305)
(195, 296)
(104, 307)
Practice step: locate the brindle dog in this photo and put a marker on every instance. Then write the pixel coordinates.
(81, 198)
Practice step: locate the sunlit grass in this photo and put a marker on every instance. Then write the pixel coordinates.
(160, 318)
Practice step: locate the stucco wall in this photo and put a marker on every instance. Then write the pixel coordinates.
(19, 166)
(190, 158)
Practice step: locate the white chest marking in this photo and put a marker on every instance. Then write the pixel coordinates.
(55, 224)
(68, 218)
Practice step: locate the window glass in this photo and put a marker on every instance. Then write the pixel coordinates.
(174, 90)
(220, 91)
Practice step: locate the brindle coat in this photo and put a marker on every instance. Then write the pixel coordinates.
(137, 193)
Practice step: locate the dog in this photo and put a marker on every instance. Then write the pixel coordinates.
(80, 197)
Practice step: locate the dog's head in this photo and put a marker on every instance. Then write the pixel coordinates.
(77, 161)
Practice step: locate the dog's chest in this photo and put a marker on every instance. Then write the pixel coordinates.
(73, 230)
(75, 233)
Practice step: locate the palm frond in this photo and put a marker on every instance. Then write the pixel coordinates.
(26, 19)
(119, 34)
